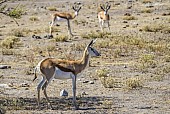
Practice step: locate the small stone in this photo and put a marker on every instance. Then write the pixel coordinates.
(84, 93)
(48, 36)
(125, 66)
(125, 22)
(24, 85)
(86, 81)
(64, 93)
(37, 37)
(4, 86)
(4, 66)
(33, 36)
(91, 82)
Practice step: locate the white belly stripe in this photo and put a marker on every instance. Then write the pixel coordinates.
(60, 19)
(59, 74)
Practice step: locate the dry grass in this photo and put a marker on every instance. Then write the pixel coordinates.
(147, 61)
(129, 59)
(129, 18)
(107, 104)
(157, 28)
(34, 18)
(52, 8)
(8, 52)
(10, 42)
(17, 33)
(167, 58)
(147, 1)
(61, 38)
(20, 32)
(106, 80)
(147, 10)
(134, 83)
(93, 34)
(54, 29)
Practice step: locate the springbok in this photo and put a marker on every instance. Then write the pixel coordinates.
(59, 16)
(103, 15)
(51, 68)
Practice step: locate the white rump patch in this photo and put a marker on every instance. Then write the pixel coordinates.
(38, 67)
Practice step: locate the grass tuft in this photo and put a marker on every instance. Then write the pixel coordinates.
(156, 28)
(107, 81)
(147, 1)
(10, 42)
(61, 38)
(96, 35)
(134, 83)
(129, 18)
(52, 8)
(147, 10)
(33, 18)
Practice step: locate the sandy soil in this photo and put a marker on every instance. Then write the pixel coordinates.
(18, 93)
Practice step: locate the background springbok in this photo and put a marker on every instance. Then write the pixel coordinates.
(59, 16)
(63, 69)
(103, 15)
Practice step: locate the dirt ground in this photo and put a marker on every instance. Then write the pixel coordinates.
(130, 77)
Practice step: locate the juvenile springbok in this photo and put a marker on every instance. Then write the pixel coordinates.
(63, 69)
(103, 15)
(59, 16)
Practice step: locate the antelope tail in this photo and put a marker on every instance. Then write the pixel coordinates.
(35, 75)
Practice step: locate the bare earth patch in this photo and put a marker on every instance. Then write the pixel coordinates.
(131, 76)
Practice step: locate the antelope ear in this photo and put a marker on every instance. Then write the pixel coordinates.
(108, 8)
(79, 8)
(92, 42)
(102, 7)
(73, 7)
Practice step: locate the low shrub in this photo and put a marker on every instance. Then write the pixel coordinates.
(10, 42)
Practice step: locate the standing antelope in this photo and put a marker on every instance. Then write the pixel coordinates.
(63, 69)
(59, 16)
(103, 15)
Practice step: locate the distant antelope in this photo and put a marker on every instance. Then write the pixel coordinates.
(103, 15)
(59, 16)
(51, 68)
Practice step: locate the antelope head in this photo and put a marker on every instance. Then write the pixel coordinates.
(105, 7)
(92, 51)
(76, 8)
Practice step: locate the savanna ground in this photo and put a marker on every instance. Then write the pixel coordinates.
(130, 77)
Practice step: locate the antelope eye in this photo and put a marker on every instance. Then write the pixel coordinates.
(92, 49)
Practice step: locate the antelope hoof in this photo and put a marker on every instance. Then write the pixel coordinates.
(51, 108)
(49, 105)
(71, 35)
(48, 36)
(38, 108)
(76, 107)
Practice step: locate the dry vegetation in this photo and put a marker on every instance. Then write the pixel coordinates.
(131, 76)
